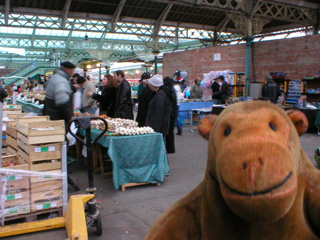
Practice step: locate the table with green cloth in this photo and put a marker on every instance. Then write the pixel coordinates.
(136, 159)
(31, 107)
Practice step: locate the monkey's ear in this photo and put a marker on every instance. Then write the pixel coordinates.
(206, 124)
(299, 120)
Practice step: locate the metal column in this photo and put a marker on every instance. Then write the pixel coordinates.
(248, 64)
(155, 65)
(99, 83)
(1, 114)
(64, 178)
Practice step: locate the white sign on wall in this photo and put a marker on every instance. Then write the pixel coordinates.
(217, 57)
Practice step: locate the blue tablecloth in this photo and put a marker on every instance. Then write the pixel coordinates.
(136, 159)
(31, 107)
(185, 108)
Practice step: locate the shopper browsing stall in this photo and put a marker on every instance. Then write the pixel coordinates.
(107, 99)
(123, 106)
(160, 107)
(88, 104)
(144, 101)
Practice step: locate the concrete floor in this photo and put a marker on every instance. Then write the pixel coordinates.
(129, 215)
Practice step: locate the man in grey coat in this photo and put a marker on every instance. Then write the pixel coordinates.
(58, 102)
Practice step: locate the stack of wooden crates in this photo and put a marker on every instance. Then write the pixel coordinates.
(39, 150)
(17, 191)
(10, 109)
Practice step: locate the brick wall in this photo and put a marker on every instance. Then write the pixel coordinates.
(298, 57)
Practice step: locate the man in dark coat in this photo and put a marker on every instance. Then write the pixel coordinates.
(58, 101)
(123, 100)
(160, 107)
(168, 84)
(224, 92)
(271, 91)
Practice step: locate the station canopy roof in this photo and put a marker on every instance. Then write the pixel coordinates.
(117, 29)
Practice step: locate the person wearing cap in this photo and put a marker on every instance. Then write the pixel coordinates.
(144, 101)
(89, 105)
(58, 101)
(143, 82)
(123, 100)
(160, 107)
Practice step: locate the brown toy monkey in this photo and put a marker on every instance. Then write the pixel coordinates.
(259, 182)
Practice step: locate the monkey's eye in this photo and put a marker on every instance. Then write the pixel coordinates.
(227, 131)
(273, 126)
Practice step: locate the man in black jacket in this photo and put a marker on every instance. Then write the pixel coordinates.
(224, 92)
(123, 107)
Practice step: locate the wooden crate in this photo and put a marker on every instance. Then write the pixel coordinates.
(15, 116)
(4, 150)
(11, 129)
(12, 150)
(46, 199)
(33, 119)
(12, 142)
(11, 158)
(12, 107)
(15, 199)
(43, 128)
(15, 210)
(40, 165)
(13, 185)
(40, 139)
(41, 151)
(46, 176)
(46, 204)
(45, 185)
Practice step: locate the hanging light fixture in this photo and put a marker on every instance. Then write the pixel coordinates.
(86, 41)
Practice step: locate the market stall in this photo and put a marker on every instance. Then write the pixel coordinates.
(31, 107)
(185, 108)
(138, 154)
(136, 159)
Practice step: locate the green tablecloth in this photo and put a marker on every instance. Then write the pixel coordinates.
(31, 107)
(136, 159)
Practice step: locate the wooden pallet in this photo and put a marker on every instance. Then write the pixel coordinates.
(33, 216)
(123, 187)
